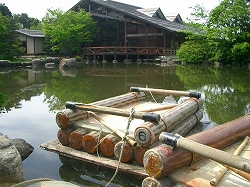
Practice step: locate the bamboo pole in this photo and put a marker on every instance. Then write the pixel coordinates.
(223, 169)
(206, 151)
(181, 129)
(67, 117)
(164, 107)
(116, 131)
(166, 92)
(114, 111)
(163, 160)
(148, 133)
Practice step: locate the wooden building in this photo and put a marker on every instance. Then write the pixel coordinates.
(131, 32)
(32, 41)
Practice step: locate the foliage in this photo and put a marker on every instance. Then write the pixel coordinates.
(68, 30)
(1, 99)
(4, 10)
(9, 42)
(221, 35)
(26, 22)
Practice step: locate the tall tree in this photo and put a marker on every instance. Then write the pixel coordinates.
(9, 42)
(5, 10)
(225, 34)
(68, 30)
(230, 21)
(26, 22)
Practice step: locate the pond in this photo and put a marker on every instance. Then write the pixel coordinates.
(34, 96)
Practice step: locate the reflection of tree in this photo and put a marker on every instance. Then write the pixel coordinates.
(10, 86)
(60, 89)
(223, 90)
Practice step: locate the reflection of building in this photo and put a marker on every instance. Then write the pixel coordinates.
(34, 77)
(32, 40)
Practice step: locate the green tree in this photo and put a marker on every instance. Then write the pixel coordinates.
(5, 10)
(230, 22)
(220, 35)
(68, 30)
(9, 42)
(26, 22)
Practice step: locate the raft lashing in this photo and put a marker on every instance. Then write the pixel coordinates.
(101, 134)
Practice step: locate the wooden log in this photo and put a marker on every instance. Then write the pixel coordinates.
(90, 141)
(166, 92)
(181, 129)
(107, 145)
(188, 124)
(206, 151)
(139, 152)
(66, 117)
(146, 134)
(127, 153)
(75, 138)
(114, 111)
(63, 136)
(163, 160)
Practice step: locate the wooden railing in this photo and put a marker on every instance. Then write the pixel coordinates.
(129, 51)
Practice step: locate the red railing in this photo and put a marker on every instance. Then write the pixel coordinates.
(129, 51)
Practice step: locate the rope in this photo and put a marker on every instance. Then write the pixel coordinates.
(25, 183)
(151, 94)
(122, 147)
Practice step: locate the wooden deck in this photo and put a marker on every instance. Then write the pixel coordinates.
(127, 51)
(57, 147)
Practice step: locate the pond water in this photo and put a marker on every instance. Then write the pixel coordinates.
(33, 97)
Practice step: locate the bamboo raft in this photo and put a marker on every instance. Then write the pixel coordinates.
(125, 128)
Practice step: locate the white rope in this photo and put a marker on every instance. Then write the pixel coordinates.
(122, 147)
(32, 181)
(151, 94)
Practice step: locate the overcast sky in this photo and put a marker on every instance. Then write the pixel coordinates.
(37, 8)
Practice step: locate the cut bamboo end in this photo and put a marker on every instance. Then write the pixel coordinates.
(90, 141)
(75, 138)
(63, 136)
(152, 182)
(107, 145)
(139, 153)
(127, 152)
(152, 165)
(62, 120)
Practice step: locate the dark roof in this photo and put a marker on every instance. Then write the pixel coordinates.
(31, 33)
(138, 13)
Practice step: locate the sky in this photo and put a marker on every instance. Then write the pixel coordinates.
(37, 8)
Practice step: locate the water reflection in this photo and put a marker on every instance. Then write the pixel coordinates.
(88, 174)
(33, 96)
